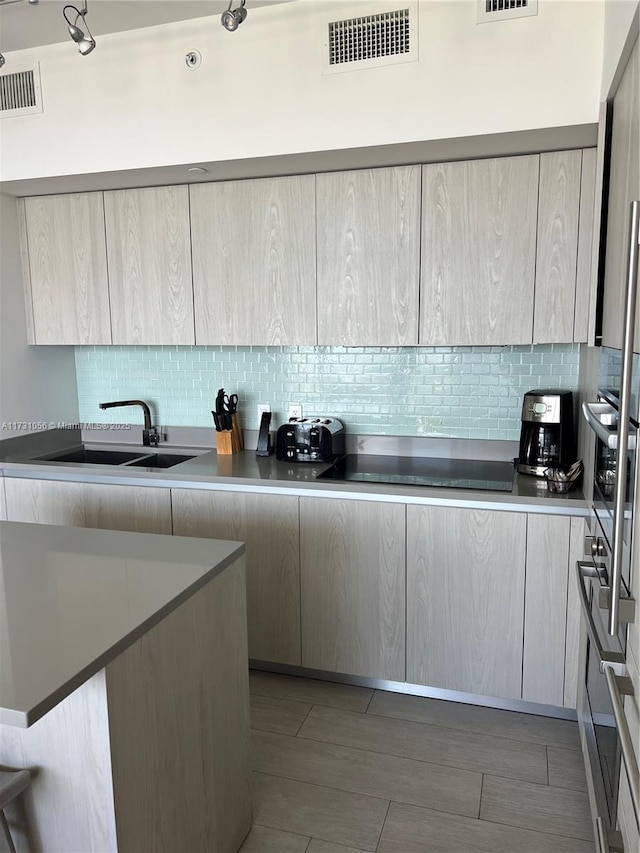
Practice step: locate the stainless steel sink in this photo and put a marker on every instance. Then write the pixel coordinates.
(159, 460)
(94, 457)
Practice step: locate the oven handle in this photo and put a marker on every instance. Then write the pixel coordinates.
(626, 741)
(623, 423)
(613, 659)
(593, 414)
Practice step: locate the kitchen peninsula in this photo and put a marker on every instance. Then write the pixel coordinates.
(124, 689)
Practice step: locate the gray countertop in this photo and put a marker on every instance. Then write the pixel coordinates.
(72, 599)
(245, 472)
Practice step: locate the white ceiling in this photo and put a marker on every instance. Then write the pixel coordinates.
(23, 25)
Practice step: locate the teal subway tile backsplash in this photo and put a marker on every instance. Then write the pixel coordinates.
(460, 392)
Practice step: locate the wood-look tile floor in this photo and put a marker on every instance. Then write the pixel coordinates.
(342, 769)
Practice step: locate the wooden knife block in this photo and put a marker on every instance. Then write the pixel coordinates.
(230, 440)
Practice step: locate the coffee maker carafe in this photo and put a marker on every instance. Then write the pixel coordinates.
(547, 439)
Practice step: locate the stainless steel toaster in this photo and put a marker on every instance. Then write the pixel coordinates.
(310, 440)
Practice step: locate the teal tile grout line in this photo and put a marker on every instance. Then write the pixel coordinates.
(460, 392)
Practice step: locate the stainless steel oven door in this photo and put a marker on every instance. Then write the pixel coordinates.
(604, 732)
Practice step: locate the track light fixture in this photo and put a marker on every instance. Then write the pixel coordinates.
(85, 43)
(231, 20)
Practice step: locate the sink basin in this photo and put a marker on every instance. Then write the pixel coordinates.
(95, 457)
(159, 460)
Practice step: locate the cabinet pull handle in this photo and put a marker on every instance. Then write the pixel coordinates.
(614, 683)
(623, 423)
(614, 659)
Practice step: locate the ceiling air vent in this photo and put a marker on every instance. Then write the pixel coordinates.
(372, 40)
(20, 91)
(501, 10)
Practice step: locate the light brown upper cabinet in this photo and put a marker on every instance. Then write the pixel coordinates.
(368, 225)
(254, 261)
(557, 249)
(624, 187)
(479, 222)
(65, 269)
(149, 252)
(584, 319)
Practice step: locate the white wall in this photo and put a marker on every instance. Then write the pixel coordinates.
(133, 102)
(618, 18)
(36, 383)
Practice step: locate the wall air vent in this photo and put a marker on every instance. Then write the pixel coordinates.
(20, 90)
(501, 10)
(372, 40)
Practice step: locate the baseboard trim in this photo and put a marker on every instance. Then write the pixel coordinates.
(501, 704)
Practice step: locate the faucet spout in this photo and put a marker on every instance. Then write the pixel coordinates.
(149, 434)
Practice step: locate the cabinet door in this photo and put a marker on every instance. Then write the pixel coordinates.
(586, 263)
(133, 508)
(545, 615)
(478, 251)
(368, 256)
(269, 526)
(624, 180)
(254, 261)
(557, 247)
(579, 529)
(68, 269)
(353, 587)
(149, 252)
(465, 599)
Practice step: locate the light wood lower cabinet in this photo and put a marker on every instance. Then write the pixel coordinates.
(269, 526)
(492, 606)
(475, 601)
(545, 609)
(135, 508)
(465, 599)
(352, 560)
(552, 610)
(574, 614)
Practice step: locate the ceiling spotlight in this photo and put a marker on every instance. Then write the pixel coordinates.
(2, 60)
(85, 43)
(232, 20)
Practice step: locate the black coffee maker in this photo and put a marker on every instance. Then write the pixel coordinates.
(547, 438)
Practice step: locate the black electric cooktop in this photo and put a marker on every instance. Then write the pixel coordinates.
(423, 471)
